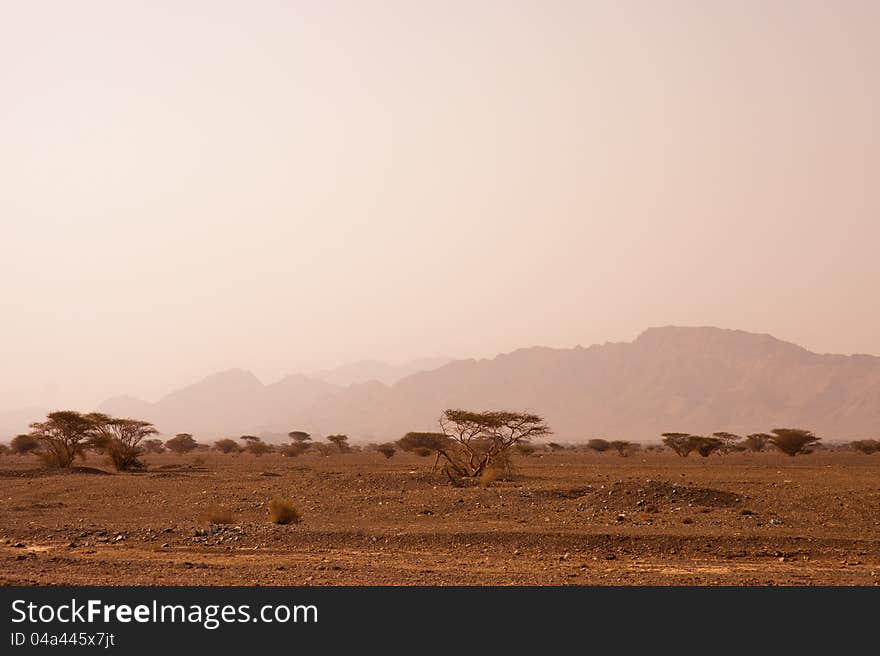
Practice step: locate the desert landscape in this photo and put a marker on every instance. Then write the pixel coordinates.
(566, 518)
(432, 293)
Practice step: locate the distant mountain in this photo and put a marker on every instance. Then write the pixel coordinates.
(367, 371)
(668, 379)
(230, 403)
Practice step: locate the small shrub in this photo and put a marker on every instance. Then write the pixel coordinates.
(293, 450)
(259, 448)
(24, 444)
(525, 449)
(51, 459)
(324, 449)
(227, 446)
(489, 476)
(624, 449)
(386, 450)
(599, 445)
(865, 446)
(221, 516)
(282, 511)
(706, 446)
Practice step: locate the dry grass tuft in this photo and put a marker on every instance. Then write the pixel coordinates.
(282, 511)
(489, 476)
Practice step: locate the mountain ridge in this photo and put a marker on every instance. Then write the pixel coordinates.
(697, 379)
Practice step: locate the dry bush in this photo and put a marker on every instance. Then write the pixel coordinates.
(50, 458)
(865, 446)
(489, 476)
(259, 448)
(386, 450)
(221, 516)
(324, 449)
(503, 465)
(756, 442)
(599, 445)
(424, 444)
(4, 450)
(525, 449)
(282, 511)
(24, 444)
(227, 446)
(624, 449)
(706, 446)
(293, 450)
(200, 461)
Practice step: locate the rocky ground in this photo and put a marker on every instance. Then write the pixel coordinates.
(566, 519)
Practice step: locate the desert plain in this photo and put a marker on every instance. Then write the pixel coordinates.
(564, 518)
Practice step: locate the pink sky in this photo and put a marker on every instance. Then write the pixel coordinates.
(285, 186)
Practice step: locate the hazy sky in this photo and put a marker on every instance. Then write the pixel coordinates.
(282, 186)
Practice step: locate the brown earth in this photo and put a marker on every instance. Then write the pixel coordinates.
(566, 519)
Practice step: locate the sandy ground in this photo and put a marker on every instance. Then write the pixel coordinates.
(566, 519)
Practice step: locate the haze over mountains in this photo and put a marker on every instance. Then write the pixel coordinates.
(668, 379)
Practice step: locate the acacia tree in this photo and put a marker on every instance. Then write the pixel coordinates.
(681, 443)
(730, 442)
(481, 437)
(756, 442)
(153, 446)
(299, 436)
(63, 436)
(793, 441)
(181, 443)
(120, 439)
(341, 442)
(624, 449)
